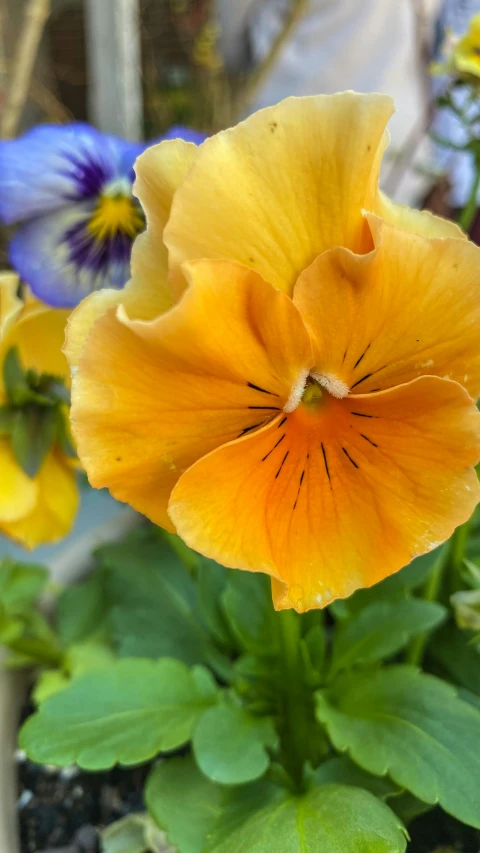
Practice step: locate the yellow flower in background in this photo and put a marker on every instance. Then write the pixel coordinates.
(462, 55)
(40, 508)
(305, 410)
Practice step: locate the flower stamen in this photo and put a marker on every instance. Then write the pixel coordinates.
(335, 386)
(296, 392)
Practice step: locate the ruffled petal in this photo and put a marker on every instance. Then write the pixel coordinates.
(282, 186)
(160, 170)
(421, 222)
(350, 494)
(18, 493)
(52, 165)
(56, 506)
(151, 398)
(62, 261)
(410, 308)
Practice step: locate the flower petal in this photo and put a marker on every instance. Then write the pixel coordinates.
(10, 303)
(353, 492)
(410, 308)
(18, 492)
(38, 335)
(55, 509)
(421, 222)
(52, 165)
(151, 398)
(63, 262)
(282, 186)
(160, 170)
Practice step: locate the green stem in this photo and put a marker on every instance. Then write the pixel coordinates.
(451, 559)
(458, 544)
(431, 592)
(295, 711)
(467, 215)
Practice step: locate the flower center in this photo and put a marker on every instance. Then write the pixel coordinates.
(310, 390)
(335, 386)
(113, 214)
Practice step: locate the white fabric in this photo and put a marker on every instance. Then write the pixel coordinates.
(366, 45)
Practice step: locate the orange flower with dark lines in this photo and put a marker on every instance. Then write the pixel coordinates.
(326, 434)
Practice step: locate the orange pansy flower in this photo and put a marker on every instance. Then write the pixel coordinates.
(305, 410)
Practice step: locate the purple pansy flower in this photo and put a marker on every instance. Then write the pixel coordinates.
(70, 189)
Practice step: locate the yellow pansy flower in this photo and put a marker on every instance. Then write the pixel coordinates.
(305, 407)
(462, 55)
(39, 509)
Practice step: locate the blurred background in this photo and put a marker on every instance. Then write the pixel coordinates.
(135, 67)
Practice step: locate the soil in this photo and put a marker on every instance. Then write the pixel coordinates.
(61, 810)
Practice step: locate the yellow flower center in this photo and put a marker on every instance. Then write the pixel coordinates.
(312, 394)
(113, 214)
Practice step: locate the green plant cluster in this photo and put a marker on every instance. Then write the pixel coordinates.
(34, 415)
(270, 732)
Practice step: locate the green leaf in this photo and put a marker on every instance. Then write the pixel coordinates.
(183, 802)
(247, 602)
(329, 818)
(230, 745)
(48, 682)
(466, 607)
(413, 727)
(407, 807)
(21, 584)
(135, 833)
(126, 713)
(381, 630)
(343, 771)
(452, 649)
(7, 420)
(32, 437)
(16, 386)
(152, 600)
(211, 582)
(63, 435)
(393, 588)
(82, 609)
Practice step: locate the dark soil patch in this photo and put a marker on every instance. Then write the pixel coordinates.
(61, 810)
(436, 832)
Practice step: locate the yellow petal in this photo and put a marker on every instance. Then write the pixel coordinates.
(18, 492)
(410, 308)
(281, 187)
(151, 398)
(10, 304)
(355, 490)
(39, 333)
(421, 222)
(160, 170)
(55, 508)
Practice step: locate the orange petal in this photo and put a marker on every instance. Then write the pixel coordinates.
(330, 499)
(410, 308)
(160, 170)
(284, 185)
(149, 399)
(53, 514)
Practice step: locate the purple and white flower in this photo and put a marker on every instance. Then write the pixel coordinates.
(69, 190)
